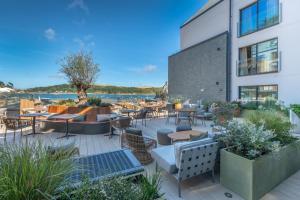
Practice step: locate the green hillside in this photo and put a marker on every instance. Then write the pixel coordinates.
(107, 89)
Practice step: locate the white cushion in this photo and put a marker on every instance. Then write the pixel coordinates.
(165, 158)
(101, 118)
(178, 147)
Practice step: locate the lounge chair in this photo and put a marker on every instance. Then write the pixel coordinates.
(106, 165)
(188, 159)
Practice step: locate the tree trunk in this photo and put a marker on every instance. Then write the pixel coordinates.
(82, 96)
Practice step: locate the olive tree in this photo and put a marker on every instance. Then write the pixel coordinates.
(81, 72)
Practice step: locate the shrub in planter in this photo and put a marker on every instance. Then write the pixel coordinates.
(93, 101)
(66, 102)
(145, 188)
(274, 121)
(254, 161)
(248, 140)
(223, 112)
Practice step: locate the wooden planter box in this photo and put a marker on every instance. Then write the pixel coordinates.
(88, 111)
(252, 179)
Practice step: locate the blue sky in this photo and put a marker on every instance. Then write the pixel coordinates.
(130, 39)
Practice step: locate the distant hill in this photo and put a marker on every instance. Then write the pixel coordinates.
(104, 89)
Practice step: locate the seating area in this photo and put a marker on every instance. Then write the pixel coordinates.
(187, 179)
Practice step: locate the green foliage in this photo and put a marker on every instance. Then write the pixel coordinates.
(248, 140)
(28, 171)
(223, 112)
(105, 89)
(80, 69)
(274, 121)
(147, 188)
(296, 109)
(81, 72)
(66, 102)
(150, 187)
(94, 101)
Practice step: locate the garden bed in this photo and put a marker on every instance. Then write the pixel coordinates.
(252, 179)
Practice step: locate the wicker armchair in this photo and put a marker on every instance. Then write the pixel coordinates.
(141, 146)
(14, 124)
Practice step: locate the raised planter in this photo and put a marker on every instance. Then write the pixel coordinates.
(252, 179)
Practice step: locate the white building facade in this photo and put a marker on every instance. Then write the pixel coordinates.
(262, 49)
(265, 57)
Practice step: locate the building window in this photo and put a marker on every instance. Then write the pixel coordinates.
(259, 58)
(254, 95)
(260, 15)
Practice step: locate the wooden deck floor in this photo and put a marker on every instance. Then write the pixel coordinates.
(199, 188)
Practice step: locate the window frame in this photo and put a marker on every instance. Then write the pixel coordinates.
(256, 57)
(257, 91)
(257, 19)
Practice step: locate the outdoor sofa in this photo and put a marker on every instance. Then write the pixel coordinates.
(187, 159)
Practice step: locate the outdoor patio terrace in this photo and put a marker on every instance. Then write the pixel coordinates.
(199, 188)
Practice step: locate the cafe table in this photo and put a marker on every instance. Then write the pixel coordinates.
(67, 118)
(33, 117)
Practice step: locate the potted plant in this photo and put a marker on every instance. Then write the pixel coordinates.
(255, 160)
(177, 102)
(223, 112)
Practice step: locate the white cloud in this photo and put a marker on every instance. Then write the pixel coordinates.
(145, 70)
(150, 68)
(79, 4)
(50, 34)
(85, 42)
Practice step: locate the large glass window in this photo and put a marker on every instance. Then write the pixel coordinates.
(268, 13)
(262, 14)
(252, 96)
(259, 58)
(249, 19)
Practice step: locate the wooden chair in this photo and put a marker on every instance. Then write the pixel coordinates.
(140, 146)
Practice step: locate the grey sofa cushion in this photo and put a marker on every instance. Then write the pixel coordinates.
(165, 158)
(178, 147)
(183, 128)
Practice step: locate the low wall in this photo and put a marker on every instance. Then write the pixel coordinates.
(85, 128)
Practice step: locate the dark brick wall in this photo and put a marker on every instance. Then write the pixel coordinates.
(199, 72)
